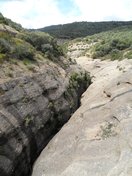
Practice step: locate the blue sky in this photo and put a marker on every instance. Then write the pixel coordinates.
(40, 13)
(65, 5)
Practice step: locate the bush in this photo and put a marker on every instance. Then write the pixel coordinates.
(77, 78)
(101, 50)
(116, 54)
(6, 36)
(38, 39)
(44, 42)
(128, 55)
(4, 46)
(2, 58)
(23, 51)
(112, 47)
(2, 19)
(46, 47)
(120, 44)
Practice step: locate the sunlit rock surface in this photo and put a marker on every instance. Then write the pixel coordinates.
(97, 140)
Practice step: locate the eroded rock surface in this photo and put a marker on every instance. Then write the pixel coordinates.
(32, 108)
(5, 28)
(97, 140)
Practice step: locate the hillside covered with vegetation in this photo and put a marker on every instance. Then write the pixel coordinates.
(25, 49)
(82, 29)
(27, 45)
(114, 44)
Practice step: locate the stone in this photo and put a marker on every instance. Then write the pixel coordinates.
(97, 140)
(32, 109)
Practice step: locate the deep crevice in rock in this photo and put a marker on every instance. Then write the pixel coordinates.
(31, 124)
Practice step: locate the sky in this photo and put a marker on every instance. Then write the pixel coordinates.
(41, 13)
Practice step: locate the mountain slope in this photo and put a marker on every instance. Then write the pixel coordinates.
(21, 49)
(82, 29)
(113, 44)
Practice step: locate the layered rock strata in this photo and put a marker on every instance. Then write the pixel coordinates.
(32, 109)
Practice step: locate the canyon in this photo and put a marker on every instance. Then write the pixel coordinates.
(97, 139)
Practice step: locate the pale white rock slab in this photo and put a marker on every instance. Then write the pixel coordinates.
(97, 140)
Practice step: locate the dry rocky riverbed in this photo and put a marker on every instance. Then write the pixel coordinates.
(97, 140)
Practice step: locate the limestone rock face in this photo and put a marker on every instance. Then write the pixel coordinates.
(32, 108)
(5, 28)
(97, 140)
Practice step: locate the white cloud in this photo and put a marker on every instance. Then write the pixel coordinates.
(99, 10)
(40, 13)
(35, 13)
(30, 13)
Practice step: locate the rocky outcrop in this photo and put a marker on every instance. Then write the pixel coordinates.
(8, 29)
(97, 140)
(32, 109)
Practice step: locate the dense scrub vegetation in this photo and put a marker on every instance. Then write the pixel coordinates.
(114, 44)
(82, 29)
(26, 45)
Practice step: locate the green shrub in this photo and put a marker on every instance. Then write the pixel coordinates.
(101, 50)
(28, 119)
(116, 54)
(27, 62)
(2, 19)
(46, 47)
(2, 92)
(37, 39)
(45, 43)
(128, 55)
(2, 57)
(4, 46)
(6, 36)
(23, 51)
(120, 44)
(77, 78)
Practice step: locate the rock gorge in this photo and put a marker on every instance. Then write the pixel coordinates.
(97, 140)
(65, 110)
(32, 109)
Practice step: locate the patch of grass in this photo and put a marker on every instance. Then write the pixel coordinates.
(128, 54)
(14, 61)
(2, 92)
(108, 130)
(27, 120)
(2, 58)
(27, 62)
(25, 99)
(116, 55)
(6, 36)
(31, 68)
(51, 105)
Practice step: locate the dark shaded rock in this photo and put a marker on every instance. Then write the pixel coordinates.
(32, 110)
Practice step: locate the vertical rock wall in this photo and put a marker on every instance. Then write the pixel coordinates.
(32, 110)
